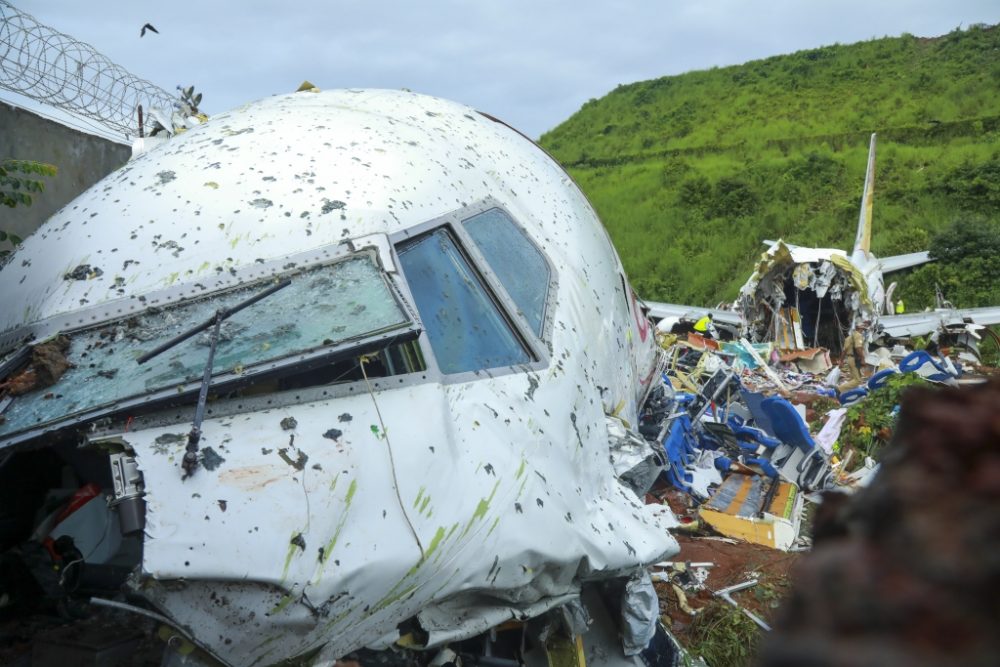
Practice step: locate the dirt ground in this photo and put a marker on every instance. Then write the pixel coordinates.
(733, 563)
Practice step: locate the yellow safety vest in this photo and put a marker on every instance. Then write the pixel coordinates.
(702, 324)
(900, 308)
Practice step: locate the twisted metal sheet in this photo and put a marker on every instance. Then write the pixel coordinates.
(51, 67)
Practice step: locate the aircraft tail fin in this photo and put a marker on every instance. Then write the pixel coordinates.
(863, 240)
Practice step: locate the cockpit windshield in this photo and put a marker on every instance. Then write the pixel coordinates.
(325, 309)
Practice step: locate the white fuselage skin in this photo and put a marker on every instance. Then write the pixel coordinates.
(504, 475)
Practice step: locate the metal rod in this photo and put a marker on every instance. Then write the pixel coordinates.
(725, 594)
(101, 602)
(199, 414)
(15, 360)
(190, 462)
(226, 312)
(819, 311)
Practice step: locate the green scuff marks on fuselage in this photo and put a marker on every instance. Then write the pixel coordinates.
(343, 520)
(420, 494)
(328, 549)
(267, 640)
(439, 536)
(397, 592)
(520, 490)
(282, 603)
(481, 509)
(423, 505)
(398, 596)
(339, 617)
(292, 547)
(350, 494)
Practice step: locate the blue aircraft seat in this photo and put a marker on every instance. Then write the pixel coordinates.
(787, 422)
(880, 378)
(750, 438)
(853, 396)
(753, 401)
(922, 363)
(679, 449)
(798, 459)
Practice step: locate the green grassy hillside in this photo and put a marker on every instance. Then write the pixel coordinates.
(691, 172)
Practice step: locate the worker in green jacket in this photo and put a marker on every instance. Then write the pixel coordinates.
(900, 308)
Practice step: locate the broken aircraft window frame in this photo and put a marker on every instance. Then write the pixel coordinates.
(118, 311)
(537, 345)
(540, 346)
(17, 342)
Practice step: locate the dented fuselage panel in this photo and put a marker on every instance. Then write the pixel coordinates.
(428, 432)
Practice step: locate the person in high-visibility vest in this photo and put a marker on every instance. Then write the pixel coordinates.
(705, 327)
(900, 308)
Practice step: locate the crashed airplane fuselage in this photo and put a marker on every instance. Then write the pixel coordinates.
(409, 427)
(806, 298)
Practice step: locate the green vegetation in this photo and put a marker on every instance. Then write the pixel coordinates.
(723, 636)
(869, 424)
(967, 267)
(20, 180)
(691, 172)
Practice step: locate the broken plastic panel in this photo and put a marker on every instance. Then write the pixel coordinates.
(325, 306)
(465, 326)
(515, 260)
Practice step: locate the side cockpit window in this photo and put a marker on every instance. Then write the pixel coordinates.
(516, 261)
(465, 326)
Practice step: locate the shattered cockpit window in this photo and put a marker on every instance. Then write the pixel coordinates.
(323, 308)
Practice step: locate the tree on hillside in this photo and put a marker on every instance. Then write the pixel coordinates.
(968, 261)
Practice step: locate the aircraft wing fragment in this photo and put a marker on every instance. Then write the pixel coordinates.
(919, 324)
(897, 262)
(659, 310)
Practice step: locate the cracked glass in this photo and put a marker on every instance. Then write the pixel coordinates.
(331, 305)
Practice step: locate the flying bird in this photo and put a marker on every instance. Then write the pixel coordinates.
(148, 26)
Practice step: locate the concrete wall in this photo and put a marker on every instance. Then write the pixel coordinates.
(82, 160)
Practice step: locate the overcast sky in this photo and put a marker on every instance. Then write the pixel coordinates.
(530, 62)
